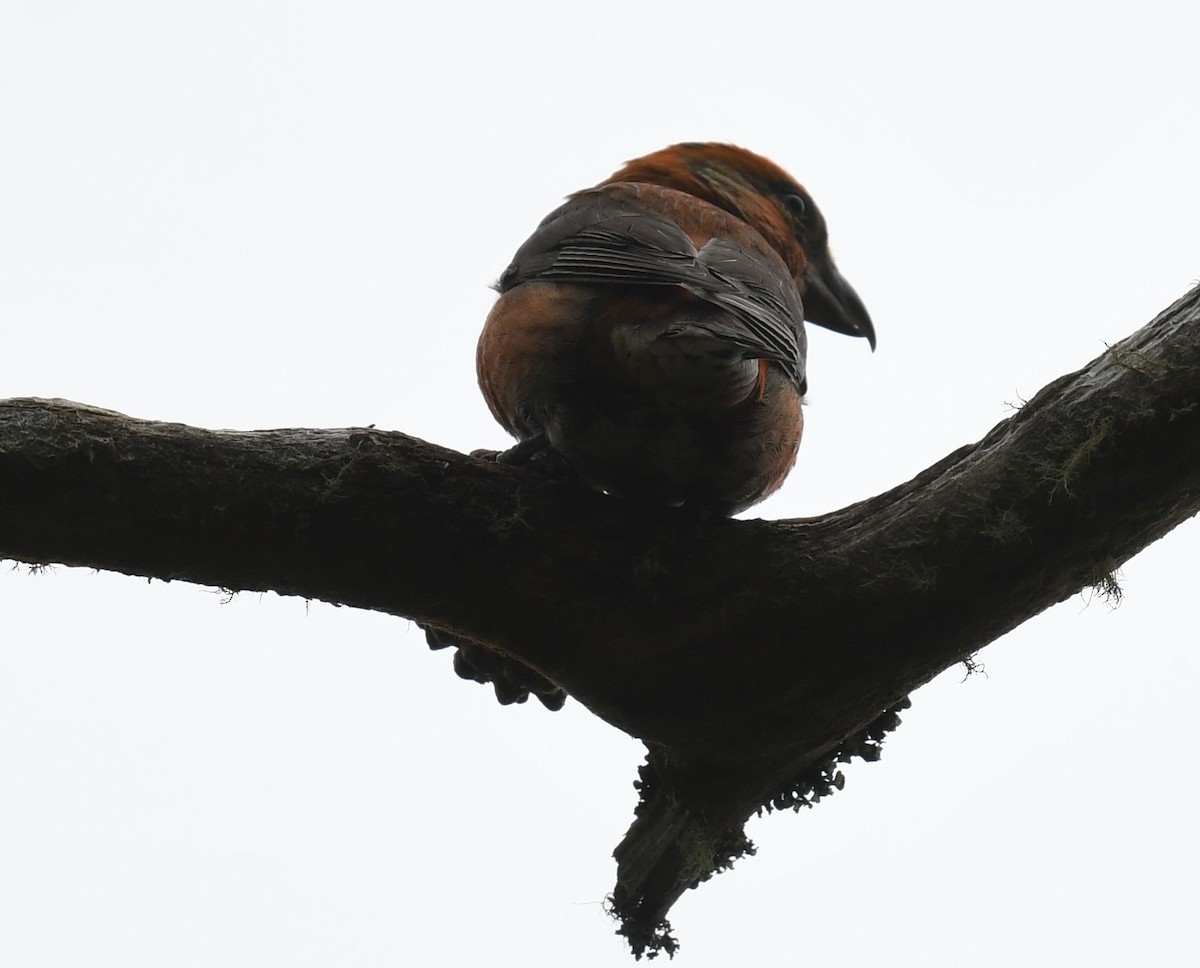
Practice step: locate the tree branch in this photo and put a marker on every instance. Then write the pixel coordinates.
(746, 654)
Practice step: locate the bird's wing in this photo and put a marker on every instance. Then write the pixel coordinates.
(596, 239)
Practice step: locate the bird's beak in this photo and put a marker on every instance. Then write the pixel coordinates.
(830, 301)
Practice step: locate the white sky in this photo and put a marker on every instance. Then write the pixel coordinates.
(266, 214)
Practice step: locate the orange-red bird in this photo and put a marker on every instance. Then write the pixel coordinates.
(651, 331)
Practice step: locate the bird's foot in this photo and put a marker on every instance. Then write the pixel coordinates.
(534, 452)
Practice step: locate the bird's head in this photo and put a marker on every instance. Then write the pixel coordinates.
(778, 207)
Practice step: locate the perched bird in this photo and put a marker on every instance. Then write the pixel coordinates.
(651, 330)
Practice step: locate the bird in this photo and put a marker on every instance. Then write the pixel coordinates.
(650, 334)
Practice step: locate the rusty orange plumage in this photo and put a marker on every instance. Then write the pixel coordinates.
(650, 331)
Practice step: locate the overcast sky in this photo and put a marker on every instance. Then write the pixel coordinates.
(259, 215)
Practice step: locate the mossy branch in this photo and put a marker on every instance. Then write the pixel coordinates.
(747, 655)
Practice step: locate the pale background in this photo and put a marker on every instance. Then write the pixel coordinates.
(256, 215)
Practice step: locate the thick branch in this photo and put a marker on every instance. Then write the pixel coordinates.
(741, 652)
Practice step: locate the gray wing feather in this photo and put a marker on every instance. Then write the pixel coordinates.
(604, 241)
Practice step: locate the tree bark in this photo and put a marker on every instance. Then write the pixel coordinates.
(749, 656)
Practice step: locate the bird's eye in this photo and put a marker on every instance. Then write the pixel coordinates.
(796, 205)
